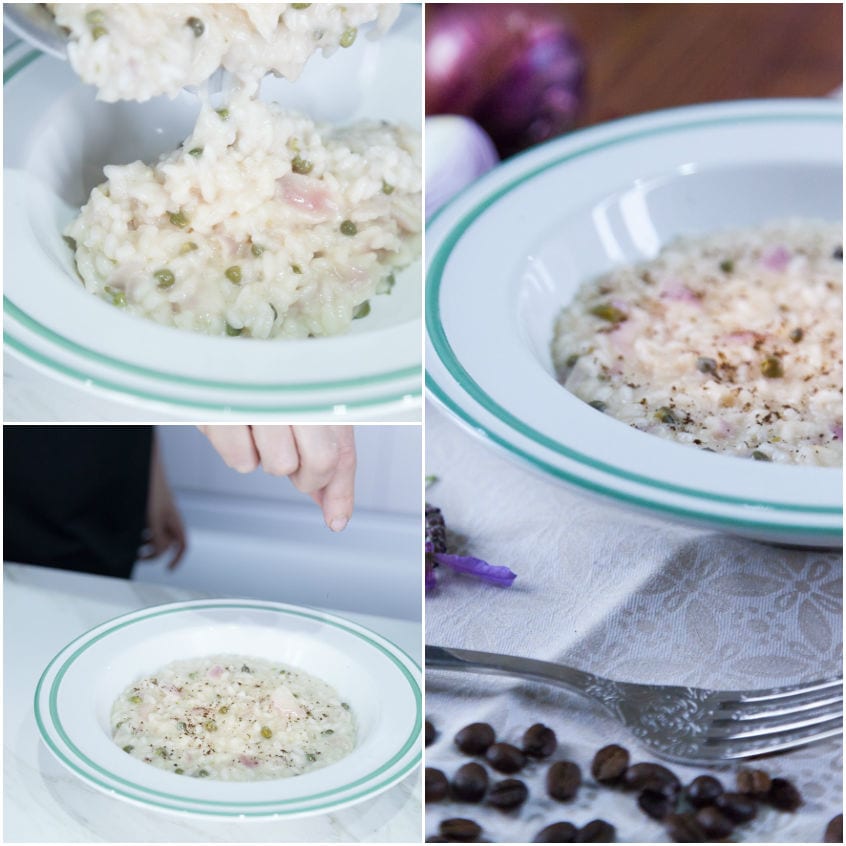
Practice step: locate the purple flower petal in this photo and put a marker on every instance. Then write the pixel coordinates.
(501, 576)
(431, 581)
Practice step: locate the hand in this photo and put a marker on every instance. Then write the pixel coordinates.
(319, 460)
(165, 529)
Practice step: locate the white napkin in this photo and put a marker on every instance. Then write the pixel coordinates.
(625, 596)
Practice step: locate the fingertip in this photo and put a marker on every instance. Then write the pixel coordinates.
(339, 523)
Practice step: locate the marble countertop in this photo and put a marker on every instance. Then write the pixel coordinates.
(43, 802)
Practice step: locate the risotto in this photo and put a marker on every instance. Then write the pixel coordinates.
(263, 224)
(233, 718)
(731, 343)
(135, 51)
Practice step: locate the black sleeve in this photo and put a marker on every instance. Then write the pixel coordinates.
(75, 497)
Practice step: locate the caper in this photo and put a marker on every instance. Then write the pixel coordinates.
(345, 706)
(706, 365)
(665, 415)
(310, 756)
(188, 247)
(245, 669)
(161, 752)
(202, 773)
(387, 188)
(796, 335)
(69, 241)
(599, 405)
(179, 771)
(210, 725)
(180, 726)
(571, 360)
(300, 5)
(223, 114)
(611, 313)
(295, 268)
(196, 152)
(135, 700)
(387, 284)
(772, 368)
(119, 300)
(760, 456)
(128, 748)
(348, 37)
(233, 274)
(224, 709)
(257, 250)
(164, 278)
(95, 16)
(197, 26)
(327, 732)
(179, 218)
(266, 732)
(301, 165)
(232, 331)
(98, 32)
(727, 266)
(361, 310)
(348, 228)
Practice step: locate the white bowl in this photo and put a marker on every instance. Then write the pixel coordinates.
(507, 254)
(74, 698)
(58, 137)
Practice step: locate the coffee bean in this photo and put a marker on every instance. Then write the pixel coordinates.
(683, 828)
(560, 832)
(609, 764)
(714, 823)
(784, 795)
(470, 783)
(834, 830)
(431, 734)
(505, 758)
(737, 806)
(596, 831)
(703, 790)
(437, 785)
(652, 777)
(753, 782)
(460, 829)
(475, 738)
(563, 779)
(539, 741)
(508, 793)
(655, 804)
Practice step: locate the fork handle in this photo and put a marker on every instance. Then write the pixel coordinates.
(470, 661)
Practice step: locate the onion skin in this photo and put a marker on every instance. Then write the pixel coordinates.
(517, 70)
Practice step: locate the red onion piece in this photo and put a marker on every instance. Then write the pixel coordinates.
(517, 70)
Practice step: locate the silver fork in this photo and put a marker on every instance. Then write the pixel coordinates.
(683, 724)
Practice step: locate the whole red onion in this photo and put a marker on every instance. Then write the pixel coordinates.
(517, 70)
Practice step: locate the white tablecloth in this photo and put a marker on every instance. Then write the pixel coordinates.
(622, 596)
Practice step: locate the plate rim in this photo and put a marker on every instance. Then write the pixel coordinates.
(406, 756)
(394, 382)
(530, 165)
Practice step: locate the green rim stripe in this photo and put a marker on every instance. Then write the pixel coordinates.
(227, 809)
(11, 46)
(19, 65)
(613, 493)
(447, 356)
(59, 340)
(116, 387)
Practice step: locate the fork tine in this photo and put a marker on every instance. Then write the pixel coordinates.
(775, 708)
(743, 696)
(741, 730)
(721, 749)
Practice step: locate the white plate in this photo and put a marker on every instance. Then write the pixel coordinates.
(74, 698)
(57, 140)
(506, 255)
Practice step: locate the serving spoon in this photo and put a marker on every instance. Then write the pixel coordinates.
(34, 23)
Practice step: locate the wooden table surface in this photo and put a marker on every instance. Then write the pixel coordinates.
(653, 56)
